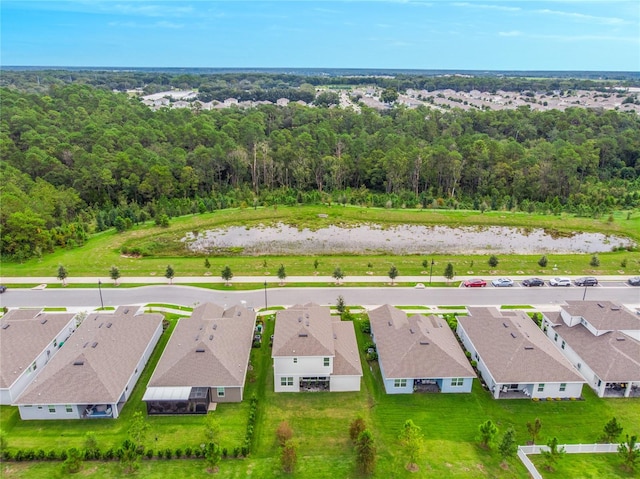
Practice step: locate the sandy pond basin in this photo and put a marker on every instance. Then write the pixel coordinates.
(401, 239)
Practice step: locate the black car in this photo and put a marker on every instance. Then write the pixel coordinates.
(635, 281)
(533, 282)
(3, 288)
(586, 281)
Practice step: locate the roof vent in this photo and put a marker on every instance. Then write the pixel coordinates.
(335, 336)
(215, 326)
(306, 323)
(302, 335)
(306, 315)
(109, 325)
(613, 308)
(78, 363)
(411, 330)
(619, 339)
(424, 343)
(44, 321)
(300, 319)
(94, 344)
(100, 325)
(601, 305)
(528, 347)
(200, 328)
(5, 326)
(86, 344)
(211, 337)
(513, 335)
(390, 323)
(200, 350)
(239, 313)
(505, 325)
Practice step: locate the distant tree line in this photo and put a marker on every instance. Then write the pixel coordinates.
(79, 159)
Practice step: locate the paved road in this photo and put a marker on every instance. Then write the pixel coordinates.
(186, 295)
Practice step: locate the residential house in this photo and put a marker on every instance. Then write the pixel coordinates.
(418, 353)
(94, 373)
(514, 357)
(29, 338)
(205, 361)
(602, 340)
(313, 351)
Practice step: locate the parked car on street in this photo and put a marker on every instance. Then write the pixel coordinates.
(533, 282)
(475, 283)
(635, 281)
(560, 282)
(586, 281)
(3, 288)
(502, 282)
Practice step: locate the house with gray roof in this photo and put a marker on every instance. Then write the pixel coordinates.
(602, 340)
(313, 351)
(514, 357)
(94, 373)
(204, 363)
(418, 353)
(29, 339)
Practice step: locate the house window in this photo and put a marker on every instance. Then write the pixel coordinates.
(55, 343)
(68, 408)
(563, 387)
(400, 383)
(220, 392)
(295, 360)
(555, 337)
(326, 361)
(562, 345)
(540, 387)
(52, 409)
(457, 381)
(286, 381)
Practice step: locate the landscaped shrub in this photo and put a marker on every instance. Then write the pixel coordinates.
(178, 453)
(188, 452)
(29, 455)
(6, 455)
(149, 453)
(225, 453)
(63, 455)
(236, 452)
(160, 454)
(168, 453)
(109, 454)
(40, 455)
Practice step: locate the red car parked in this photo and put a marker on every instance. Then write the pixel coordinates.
(475, 283)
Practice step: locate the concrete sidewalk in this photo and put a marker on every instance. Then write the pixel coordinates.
(272, 280)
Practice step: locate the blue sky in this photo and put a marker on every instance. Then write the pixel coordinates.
(472, 34)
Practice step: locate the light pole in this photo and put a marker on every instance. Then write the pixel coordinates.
(100, 289)
(265, 294)
(431, 271)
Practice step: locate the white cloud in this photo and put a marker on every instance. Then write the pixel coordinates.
(583, 17)
(502, 8)
(136, 25)
(512, 33)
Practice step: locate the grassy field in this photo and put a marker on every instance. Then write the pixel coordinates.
(320, 422)
(584, 466)
(164, 246)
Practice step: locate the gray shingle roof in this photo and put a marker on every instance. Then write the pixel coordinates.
(347, 359)
(209, 349)
(303, 331)
(514, 349)
(603, 315)
(417, 346)
(24, 335)
(613, 356)
(96, 362)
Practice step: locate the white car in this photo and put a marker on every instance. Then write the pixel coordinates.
(560, 282)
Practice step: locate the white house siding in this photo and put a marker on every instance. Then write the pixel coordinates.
(42, 412)
(446, 387)
(552, 390)
(304, 366)
(7, 396)
(344, 383)
(293, 388)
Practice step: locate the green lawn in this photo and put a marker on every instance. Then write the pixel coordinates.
(320, 422)
(164, 246)
(584, 466)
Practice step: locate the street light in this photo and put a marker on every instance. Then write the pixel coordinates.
(100, 289)
(431, 271)
(265, 294)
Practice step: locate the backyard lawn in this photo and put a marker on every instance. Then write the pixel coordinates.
(320, 422)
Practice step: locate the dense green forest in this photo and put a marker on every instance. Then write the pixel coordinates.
(78, 159)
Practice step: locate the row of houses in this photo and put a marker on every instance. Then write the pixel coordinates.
(75, 366)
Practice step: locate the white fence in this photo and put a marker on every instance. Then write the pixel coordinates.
(523, 451)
